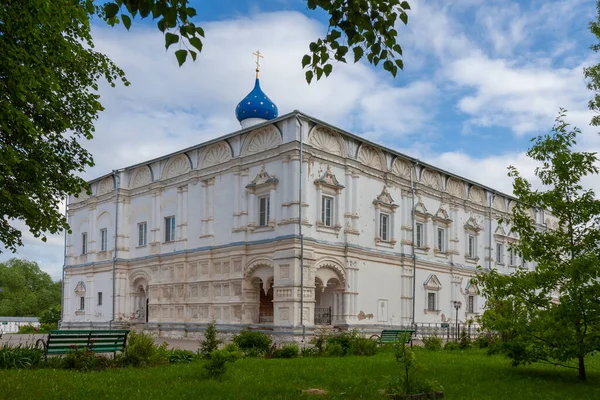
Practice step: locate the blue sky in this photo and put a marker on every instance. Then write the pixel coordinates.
(481, 78)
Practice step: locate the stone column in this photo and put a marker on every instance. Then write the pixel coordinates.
(355, 200)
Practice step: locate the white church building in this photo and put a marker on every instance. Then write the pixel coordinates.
(223, 231)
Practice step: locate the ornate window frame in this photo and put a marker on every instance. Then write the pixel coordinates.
(471, 290)
(441, 220)
(421, 217)
(80, 292)
(263, 185)
(384, 204)
(472, 228)
(500, 238)
(432, 285)
(328, 186)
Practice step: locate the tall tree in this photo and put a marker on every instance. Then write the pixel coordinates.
(552, 313)
(592, 74)
(25, 290)
(49, 77)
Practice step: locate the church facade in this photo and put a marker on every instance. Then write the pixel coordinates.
(288, 222)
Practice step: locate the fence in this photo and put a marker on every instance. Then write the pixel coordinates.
(449, 331)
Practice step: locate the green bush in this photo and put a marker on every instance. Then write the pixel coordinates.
(211, 341)
(465, 340)
(141, 350)
(51, 316)
(27, 329)
(177, 356)
(486, 340)
(288, 350)
(433, 343)
(361, 346)
(253, 343)
(335, 349)
(308, 352)
(217, 362)
(451, 346)
(21, 356)
(85, 360)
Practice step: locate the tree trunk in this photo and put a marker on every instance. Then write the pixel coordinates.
(582, 369)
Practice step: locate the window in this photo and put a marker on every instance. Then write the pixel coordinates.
(511, 257)
(170, 229)
(431, 302)
(471, 251)
(384, 227)
(84, 243)
(82, 303)
(327, 210)
(99, 298)
(142, 233)
(419, 235)
(103, 239)
(471, 304)
(263, 210)
(441, 239)
(499, 251)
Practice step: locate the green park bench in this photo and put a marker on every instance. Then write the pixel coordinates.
(394, 335)
(97, 341)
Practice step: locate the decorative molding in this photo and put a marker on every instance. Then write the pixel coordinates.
(401, 168)
(473, 225)
(371, 157)
(263, 179)
(80, 288)
(329, 180)
(141, 176)
(385, 200)
(177, 165)
(261, 140)
(106, 185)
(432, 283)
(421, 210)
(455, 188)
(499, 203)
(328, 141)
(216, 153)
(431, 179)
(477, 196)
(441, 216)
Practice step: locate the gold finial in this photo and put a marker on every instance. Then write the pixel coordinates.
(258, 57)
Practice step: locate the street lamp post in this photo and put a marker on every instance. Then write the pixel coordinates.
(457, 305)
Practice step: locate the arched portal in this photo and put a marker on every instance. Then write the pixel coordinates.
(265, 295)
(259, 292)
(329, 288)
(139, 300)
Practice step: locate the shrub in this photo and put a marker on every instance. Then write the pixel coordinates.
(253, 343)
(308, 352)
(21, 356)
(465, 340)
(288, 350)
(211, 342)
(27, 329)
(433, 343)
(451, 346)
(141, 350)
(177, 356)
(217, 362)
(361, 346)
(84, 360)
(408, 381)
(335, 350)
(51, 316)
(486, 340)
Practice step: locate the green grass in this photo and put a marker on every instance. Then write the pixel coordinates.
(463, 374)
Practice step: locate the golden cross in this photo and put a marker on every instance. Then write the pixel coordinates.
(258, 57)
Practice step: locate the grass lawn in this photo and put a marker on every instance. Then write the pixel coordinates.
(463, 374)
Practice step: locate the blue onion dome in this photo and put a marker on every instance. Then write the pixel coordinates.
(256, 105)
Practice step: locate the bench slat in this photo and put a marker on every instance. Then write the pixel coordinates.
(100, 341)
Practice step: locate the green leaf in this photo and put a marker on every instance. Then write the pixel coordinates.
(145, 8)
(194, 54)
(404, 18)
(327, 69)
(126, 21)
(197, 43)
(170, 38)
(358, 53)
(309, 76)
(319, 73)
(313, 46)
(200, 31)
(162, 26)
(405, 5)
(191, 12)
(400, 64)
(181, 56)
(305, 60)
(111, 10)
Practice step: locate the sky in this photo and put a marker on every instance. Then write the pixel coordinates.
(480, 79)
